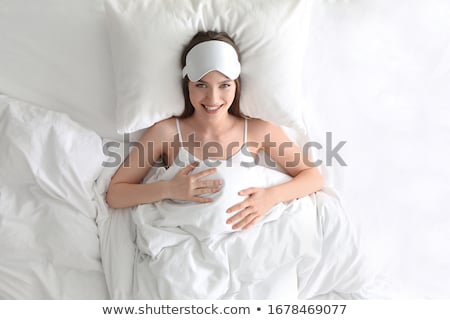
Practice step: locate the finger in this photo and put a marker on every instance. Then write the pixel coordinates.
(245, 221)
(240, 215)
(247, 191)
(204, 173)
(186, 170)
(251, 223)
(238, 206)
(243, 204)
(200, 191)
(201, 199)
(207, 183)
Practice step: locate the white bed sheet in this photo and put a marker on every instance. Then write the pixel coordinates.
(304, 249)
(48, 235)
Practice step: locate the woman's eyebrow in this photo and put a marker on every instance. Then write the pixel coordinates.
(221, 82)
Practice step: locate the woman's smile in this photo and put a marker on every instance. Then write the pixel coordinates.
(213, 93)
(212, 109)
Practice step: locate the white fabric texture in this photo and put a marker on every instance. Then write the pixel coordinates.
(378, 78)
(202, 221)
(56, 54)
(210, 56)
(50, 150)
(48, 235)
(291, 254)
(376, 75)
(148, 36)
(187, 251)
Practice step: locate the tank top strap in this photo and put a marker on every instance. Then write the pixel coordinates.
(245, 131)
(180, 138)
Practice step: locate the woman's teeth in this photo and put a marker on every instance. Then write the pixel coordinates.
(212, 108)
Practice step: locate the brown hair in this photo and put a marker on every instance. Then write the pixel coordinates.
(200, 37)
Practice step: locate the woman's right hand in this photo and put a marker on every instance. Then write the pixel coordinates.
(184, 186)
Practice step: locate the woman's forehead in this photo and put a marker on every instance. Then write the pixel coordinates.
(214, 76)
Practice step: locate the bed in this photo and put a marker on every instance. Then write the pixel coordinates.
(62, 136)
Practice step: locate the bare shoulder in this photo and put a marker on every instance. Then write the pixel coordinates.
(163, 130)
(258, 129)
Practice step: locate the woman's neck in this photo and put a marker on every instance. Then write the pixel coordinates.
(212, 127)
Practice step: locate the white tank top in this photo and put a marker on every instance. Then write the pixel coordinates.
(207, 219)
(241, 158)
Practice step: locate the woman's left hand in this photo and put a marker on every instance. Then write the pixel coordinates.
(252, 209)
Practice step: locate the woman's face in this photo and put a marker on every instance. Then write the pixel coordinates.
(213, 94)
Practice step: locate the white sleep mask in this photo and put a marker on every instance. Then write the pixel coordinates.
(209, 56)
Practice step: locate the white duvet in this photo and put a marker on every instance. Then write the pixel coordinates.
(49, 246)
(302, 249)
(59, 240)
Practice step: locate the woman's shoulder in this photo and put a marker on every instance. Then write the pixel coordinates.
(262, 131)
(261, 127)
(162, 130)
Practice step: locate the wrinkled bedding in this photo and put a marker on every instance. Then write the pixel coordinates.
(58, 236)
(48, 236)
(303, 249)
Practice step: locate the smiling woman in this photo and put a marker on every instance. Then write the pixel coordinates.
(209, 51)
(212, 114)
(205, 215)
(214, 93)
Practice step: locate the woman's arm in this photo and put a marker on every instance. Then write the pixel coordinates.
(126, 188)
(306, 179)
(183, 186)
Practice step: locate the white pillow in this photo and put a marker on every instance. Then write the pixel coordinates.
(148, 36)
(47, 149)
(56, 54)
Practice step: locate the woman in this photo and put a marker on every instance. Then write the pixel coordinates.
(212, 121)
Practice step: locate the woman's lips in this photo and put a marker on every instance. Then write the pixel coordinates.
(211, 109)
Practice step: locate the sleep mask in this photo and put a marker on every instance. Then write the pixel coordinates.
(209, 56)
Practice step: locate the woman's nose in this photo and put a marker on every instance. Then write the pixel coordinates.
(212, 95)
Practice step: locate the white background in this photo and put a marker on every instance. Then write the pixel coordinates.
(377, 75)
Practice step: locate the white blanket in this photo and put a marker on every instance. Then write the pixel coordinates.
(49, 246)
(302, 249)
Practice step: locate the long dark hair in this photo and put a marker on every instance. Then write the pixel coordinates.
(203, 36)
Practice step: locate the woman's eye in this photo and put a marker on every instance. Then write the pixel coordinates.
(226, 85)
(200, 85)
